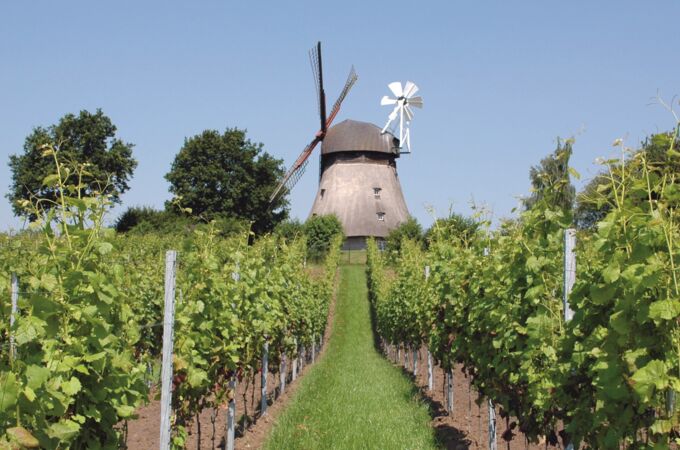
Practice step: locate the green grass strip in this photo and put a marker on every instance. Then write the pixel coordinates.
(353, 398)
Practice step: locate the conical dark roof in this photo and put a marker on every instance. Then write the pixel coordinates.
(352, 135)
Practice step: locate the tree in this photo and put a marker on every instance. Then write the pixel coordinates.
(289, 229)
(592, 203)
(320, 231)
(454, 227)
(410, 229)
(87, 141)
(551, 177)
(228, 175)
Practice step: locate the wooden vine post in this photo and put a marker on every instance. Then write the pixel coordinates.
(231, 415)
(265, 370)
(492, 409)
(12, 317)
(449, 391)
(295, 360)
(313, 349)
(415, 361)
(569, 280)
(168, 337)
(430, 376)
(492, 426)
(282, 374)
(231, 406)
(569, 271)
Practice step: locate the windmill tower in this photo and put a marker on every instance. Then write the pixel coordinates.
(358, 171)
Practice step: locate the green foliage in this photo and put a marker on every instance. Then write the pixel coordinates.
(89, 145)
(227, 175)
(137, 216)
(145, 220)
(401, 311)
(622, 352)
(410, 229)
(290, 229)
(74, 377)
(592, 204)
(321, 232)
(91, 306)
(596, 199)
(551, 177)
(454, 227)
(493, 303)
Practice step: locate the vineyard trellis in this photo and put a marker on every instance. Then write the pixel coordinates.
(90, 313)
(598, 367)
(301, 318)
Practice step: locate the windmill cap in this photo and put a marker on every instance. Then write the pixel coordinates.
(352, 136)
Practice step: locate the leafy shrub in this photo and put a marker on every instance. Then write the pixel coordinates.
(410, 229)
(289, 229)
(320, 231)
(455, 227)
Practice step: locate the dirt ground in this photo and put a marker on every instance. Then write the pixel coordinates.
(468, 426)
(144, 432)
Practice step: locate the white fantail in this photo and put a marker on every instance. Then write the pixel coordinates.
(405, 99)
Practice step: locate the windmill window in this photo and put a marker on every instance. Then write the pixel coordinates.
(381, 216)
(323, 191)
(376, 192)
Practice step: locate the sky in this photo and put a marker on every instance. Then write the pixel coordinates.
(501, 80)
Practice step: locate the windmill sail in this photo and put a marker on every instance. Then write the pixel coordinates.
(295, 172)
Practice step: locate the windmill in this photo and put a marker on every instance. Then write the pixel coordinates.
(358, 179)
(296, 171)
(405, 98)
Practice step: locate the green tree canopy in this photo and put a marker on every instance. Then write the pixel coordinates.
(320, 231)
(410, 229)
(225, 174)
(455, 227)
(88, 141)
(290, 229)
(551, 177)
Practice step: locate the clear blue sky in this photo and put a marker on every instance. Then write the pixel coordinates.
(501, 80)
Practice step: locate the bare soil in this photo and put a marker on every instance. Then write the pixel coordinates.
(468, 426)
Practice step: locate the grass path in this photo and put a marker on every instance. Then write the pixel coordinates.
(353, 398)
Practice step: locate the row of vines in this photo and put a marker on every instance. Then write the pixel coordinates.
(493, 304)
(89, 323)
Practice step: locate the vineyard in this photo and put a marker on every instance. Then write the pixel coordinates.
(574, 346)
(81, 350)
(491, 302)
